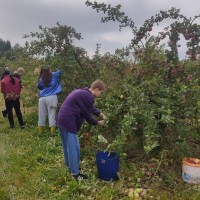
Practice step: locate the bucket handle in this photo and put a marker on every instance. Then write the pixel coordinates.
(114, 157)
(104, 161)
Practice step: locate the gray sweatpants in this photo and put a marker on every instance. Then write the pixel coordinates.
(47, 107)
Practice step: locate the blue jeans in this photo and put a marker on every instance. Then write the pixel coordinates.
(71, 150)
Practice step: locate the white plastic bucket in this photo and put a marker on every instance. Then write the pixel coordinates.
(191, 170)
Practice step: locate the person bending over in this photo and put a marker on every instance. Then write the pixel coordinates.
(77, 107)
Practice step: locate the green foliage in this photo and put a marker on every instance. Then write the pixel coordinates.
(55, 46)
(152, 104)
(5, 46)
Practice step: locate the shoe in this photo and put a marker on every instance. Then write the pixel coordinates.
(23, 127)
(80, 176)
(4, 113)
(12, 126)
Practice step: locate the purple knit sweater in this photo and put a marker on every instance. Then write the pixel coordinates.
(77, 107)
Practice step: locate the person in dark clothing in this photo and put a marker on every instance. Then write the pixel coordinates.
(11, 88)
(17, 74)
(77, 107)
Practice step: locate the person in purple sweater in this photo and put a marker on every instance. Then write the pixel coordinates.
(77, 107)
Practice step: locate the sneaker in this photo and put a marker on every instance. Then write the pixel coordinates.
(12, 126)
(23, 127)
(80, 176)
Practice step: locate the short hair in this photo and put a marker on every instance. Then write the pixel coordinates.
(20, 70)
(98, 84)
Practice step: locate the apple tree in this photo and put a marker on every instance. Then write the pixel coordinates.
(55, 47)
(160, 94)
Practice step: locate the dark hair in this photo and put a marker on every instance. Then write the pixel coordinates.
(46, 76)
(7, 72)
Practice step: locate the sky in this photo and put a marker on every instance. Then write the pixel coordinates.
(19, 17)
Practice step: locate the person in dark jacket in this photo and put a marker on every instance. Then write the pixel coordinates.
(77, 107)
(11, 88)
(17, 74)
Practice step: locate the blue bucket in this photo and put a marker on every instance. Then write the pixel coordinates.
(107, 165)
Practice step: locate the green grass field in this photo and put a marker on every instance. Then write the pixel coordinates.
(32, 168)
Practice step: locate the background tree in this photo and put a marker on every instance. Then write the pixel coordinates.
(182, 26)
(160, 95)
(5, 46)
(55, 46)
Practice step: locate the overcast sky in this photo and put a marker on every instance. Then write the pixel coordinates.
(19, 17)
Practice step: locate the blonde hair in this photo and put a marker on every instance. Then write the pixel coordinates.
(20, 71)
(99, 85)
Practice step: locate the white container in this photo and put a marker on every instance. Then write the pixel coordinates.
(191, 170)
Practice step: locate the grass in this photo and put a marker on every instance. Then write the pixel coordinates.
(32, 168)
